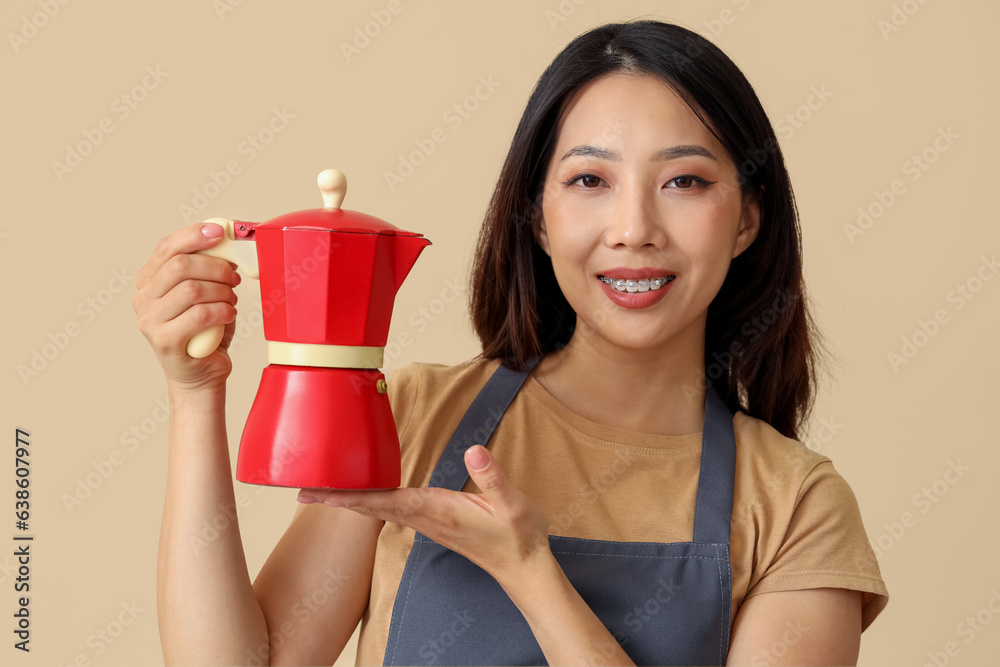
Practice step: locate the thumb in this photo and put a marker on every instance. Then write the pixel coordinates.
(486, 473)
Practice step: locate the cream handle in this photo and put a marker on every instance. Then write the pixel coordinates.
(242, 253)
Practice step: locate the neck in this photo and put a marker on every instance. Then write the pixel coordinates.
(656, 391)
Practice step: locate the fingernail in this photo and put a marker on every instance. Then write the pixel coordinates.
(307, 499)
(211, 231)
(235, 279)
(477, 457)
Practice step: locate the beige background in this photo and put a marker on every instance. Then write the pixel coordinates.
(891, 432)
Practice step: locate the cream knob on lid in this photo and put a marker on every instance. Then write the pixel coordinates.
(333, 185)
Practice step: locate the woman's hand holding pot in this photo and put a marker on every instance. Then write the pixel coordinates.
(181, 293)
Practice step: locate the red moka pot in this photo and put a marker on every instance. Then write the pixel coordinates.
(328, 279)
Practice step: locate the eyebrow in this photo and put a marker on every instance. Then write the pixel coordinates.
(671, 153)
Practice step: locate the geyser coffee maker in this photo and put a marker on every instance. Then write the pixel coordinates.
(328, 279)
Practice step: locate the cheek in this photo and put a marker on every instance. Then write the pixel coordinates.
(708, 230)
(570, 231)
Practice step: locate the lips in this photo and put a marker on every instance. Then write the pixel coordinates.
(636, 294)
(647, 273)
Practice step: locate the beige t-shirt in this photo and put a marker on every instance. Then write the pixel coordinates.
(795, 524)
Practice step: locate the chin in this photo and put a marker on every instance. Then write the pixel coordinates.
(637, 340)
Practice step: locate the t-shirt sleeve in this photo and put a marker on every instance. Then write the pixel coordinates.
(825, 545)
(402, 391)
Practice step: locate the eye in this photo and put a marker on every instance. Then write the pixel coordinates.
(689, 181)
(589, 181)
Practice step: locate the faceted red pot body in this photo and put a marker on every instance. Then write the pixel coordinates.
(330, 276)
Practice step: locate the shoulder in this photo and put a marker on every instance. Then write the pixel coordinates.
(786, 479)
(798, 519)
(465, 375)
(783, 481)
(774, 461)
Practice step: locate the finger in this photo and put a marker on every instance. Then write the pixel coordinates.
(394, 504)
(421, 509)
(189, 266)
(486, 473)
(173, 336)
(190, 292)
(189, 308)
(188, 239)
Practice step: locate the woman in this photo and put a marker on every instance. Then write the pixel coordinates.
(642, 496)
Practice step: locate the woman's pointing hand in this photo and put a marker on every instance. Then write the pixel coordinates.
(499, 530)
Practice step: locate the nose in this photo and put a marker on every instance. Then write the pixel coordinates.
(635, 220)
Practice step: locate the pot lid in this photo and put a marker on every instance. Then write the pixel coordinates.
(333, 186)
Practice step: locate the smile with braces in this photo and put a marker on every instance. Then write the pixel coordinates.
(623, 285)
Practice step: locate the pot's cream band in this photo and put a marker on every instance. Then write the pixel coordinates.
(327, 356)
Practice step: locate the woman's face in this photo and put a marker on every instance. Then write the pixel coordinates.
(639, 190)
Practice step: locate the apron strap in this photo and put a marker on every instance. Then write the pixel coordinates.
(478, 424)
(713, 507)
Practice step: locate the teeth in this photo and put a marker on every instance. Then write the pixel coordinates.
(633, 286)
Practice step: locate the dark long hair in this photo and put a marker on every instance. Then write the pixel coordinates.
(760, 342)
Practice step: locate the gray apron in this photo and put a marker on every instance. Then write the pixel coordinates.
(665, 604)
